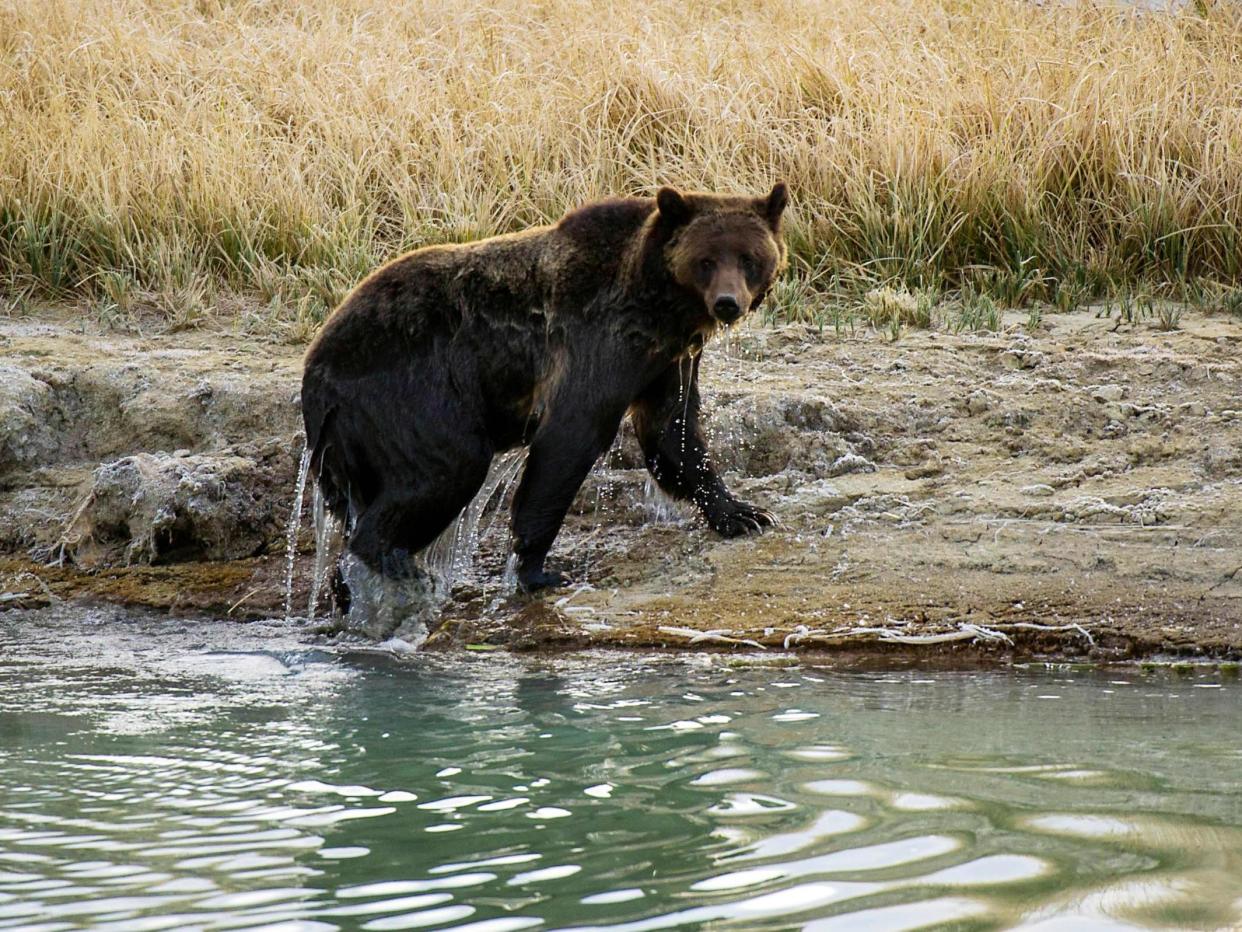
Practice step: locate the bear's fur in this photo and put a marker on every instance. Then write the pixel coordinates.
(450, 354)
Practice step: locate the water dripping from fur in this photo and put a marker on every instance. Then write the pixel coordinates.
(451, 556)
(328, 543)
(659, 507)
(500, 511)
(295, 525)
(683, 396)
(604, 482)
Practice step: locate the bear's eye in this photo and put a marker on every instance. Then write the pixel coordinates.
(748, 264)
(707, 265)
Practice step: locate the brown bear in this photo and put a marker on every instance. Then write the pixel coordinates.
(451, 354)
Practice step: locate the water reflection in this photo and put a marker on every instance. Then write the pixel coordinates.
(165, 775)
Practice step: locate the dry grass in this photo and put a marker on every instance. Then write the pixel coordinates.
(280, 148)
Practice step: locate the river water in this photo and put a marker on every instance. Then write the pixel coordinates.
(159, 773)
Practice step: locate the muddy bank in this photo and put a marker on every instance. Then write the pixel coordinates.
(1072, 492)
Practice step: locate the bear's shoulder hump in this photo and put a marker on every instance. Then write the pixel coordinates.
(607, 219)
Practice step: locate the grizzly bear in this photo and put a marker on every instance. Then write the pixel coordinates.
(548, 337)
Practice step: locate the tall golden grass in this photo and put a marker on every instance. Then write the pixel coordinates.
(283, 147)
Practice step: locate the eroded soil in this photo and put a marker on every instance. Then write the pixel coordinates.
(1072, 492)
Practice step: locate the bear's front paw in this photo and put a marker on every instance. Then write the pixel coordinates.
(738, 518)
(534, 580)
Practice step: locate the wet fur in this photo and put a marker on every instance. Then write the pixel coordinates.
(450, 354)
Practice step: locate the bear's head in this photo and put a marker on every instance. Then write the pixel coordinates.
(725, 249)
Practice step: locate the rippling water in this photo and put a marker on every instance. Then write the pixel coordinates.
(158, 774)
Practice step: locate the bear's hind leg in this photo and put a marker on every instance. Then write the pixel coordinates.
(402, 520)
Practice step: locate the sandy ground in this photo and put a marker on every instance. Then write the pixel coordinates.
(1075, 492)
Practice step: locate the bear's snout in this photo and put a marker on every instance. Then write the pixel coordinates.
(726, 309)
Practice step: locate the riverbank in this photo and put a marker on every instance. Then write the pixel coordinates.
(1071, 491)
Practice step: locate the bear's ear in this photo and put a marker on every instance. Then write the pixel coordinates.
(774, 204)
(673, 207)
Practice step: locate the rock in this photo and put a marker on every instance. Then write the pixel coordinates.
(850, 462)
(760, 435)
(29, 425)
(1192, 409)
(913, 452)
(1020, 358)
(1221, 461)
(1039, 490)
(979, 401)
(859, 442)
(1107, 393)
(117, 405)
(819, 498)
(164, 508)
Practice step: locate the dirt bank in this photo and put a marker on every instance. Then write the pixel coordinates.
(1073, 492)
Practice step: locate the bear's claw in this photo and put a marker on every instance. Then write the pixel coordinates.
(740, 519)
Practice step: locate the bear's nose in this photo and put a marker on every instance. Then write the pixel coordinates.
(726, 308)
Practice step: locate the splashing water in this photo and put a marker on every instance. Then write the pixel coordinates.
(401, 611)
(504, 498)
(602, 477)
(397, 612)
(295, 525)
(660, 507)
(451, 555)
(328, 541)
(509, 580)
